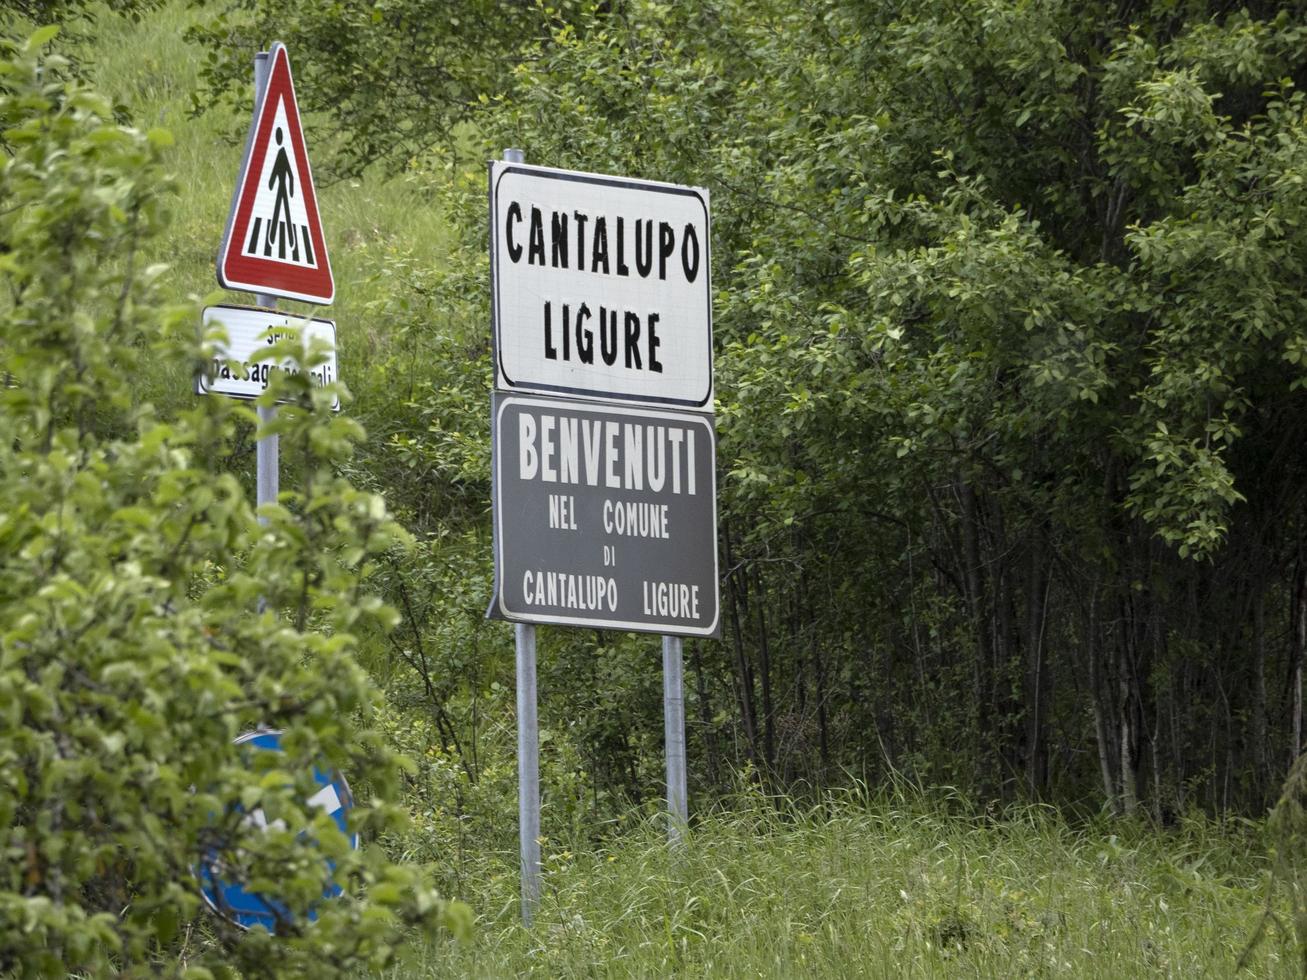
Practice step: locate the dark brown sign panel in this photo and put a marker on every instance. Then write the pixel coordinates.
(605, 516)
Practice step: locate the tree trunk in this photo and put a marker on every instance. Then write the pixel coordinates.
(1036, 680)
(743, 672)
(1100, 699)
(765, 675)
(1299, 645)
(1260, 772)
(1129, 706)
(705, 715)
(973, 575)
(1129, 739)
(823, 723)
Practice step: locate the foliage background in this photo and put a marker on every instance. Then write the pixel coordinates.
(1010, 332)
(1009, 326)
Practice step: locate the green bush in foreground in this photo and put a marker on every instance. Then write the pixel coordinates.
(132, 648)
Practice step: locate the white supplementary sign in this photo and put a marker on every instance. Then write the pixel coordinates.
(234, 370)
(601, 287)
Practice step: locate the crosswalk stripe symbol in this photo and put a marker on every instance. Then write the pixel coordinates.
(274, 242)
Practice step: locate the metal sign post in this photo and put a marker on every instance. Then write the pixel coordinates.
(268, 447)
(678, 814)
(528, 770)
(528, 744)
(603, 470)
(299, 269)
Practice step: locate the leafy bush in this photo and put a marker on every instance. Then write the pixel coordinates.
(133, 648)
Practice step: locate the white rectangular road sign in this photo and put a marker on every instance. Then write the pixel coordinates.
(235, 373)
(601, 287)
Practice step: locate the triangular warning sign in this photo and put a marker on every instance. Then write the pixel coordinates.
(274, 242)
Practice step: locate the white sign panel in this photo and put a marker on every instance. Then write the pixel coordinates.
(279, 216)
(235, 372)
(601, 287)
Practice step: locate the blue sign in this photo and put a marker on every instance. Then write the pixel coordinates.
(245, 908)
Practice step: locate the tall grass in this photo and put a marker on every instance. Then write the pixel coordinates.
(901, 885)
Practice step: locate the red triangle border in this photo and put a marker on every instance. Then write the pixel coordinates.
(262, 275)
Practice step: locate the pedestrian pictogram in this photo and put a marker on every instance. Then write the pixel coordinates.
(274, 242)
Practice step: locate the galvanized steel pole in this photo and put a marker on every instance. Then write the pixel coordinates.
(528, 770)
(528, 744)
(267, 448)
(678, 814)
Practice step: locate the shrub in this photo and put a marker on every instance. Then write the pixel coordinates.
(134, 645)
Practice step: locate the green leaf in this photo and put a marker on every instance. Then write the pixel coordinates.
(42, 36)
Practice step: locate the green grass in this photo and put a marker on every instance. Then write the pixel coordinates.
(899, 887)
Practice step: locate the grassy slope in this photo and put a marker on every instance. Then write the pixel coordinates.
(891, 889)
(149, 67)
